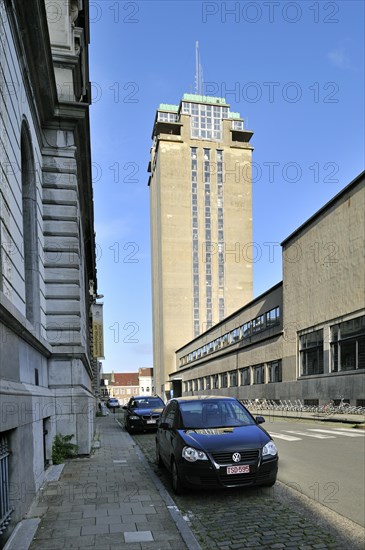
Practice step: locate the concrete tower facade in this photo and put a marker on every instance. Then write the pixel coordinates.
(201, 222)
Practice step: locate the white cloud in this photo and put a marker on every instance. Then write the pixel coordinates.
(339, 58)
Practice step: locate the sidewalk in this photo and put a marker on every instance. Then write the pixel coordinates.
(109, 501)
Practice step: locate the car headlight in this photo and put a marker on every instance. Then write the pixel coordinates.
(134, 417)
(192, 455)
(269, 449)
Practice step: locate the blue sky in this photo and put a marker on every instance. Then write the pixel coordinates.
(294, 70)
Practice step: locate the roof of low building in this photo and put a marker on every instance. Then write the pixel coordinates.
(145, 371)
(121, 378)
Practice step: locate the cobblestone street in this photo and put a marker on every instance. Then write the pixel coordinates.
(258, 519)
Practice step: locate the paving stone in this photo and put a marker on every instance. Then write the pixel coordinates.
(94, 529)
(138, 536)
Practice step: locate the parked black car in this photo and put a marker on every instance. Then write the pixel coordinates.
(113, 403)
(214, 442)
(143, 413)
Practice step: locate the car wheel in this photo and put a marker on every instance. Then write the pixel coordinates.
(158, 457)
(128, 427)
(177, 485)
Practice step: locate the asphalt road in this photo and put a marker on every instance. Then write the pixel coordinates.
(324, 461)
(279, 517)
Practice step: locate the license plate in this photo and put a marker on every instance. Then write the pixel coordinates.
(151, 421)
(244, 469)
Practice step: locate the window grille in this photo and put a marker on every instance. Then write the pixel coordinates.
(5, 508)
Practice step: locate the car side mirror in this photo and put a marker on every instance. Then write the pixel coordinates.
(260, 419)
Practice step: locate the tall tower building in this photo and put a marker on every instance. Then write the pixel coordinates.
(201, 223)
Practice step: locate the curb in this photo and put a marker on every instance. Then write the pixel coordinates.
(22, 536)
(181, 524)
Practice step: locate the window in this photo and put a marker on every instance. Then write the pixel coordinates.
(273, 317)
(246, 330)
(259, 374)
(206, 121)
(237, 125)
(207, 382)
(233, 379)
(167, 117)
(168, 414)
(348, 345)
(224, 380)
(245, 376)
(225, 340)
(215, 381)
(194, 207)
(274, 371)
(258, 324)
(235, 335)
(201, 384)
(311, 353)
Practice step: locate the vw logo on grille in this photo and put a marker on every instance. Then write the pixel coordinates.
(236, 457)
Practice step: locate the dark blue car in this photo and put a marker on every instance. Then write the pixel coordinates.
(143, 413)
(214, 442)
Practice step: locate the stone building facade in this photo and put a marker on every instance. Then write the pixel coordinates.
(48, 273)
(304, 338)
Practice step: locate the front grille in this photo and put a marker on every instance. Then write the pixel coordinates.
(248, 456)
(151, 416)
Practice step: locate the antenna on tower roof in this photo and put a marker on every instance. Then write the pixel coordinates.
(198, 71)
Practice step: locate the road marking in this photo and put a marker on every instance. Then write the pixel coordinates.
(286, 437)
(348, 431)
(330, 432)
(317, 436)
(334, 433)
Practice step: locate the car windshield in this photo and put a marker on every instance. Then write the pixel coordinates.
(148, 403)
(214, 414)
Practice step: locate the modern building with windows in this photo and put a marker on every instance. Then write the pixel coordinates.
(201, 223)
(305, 337)
(47, 247)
